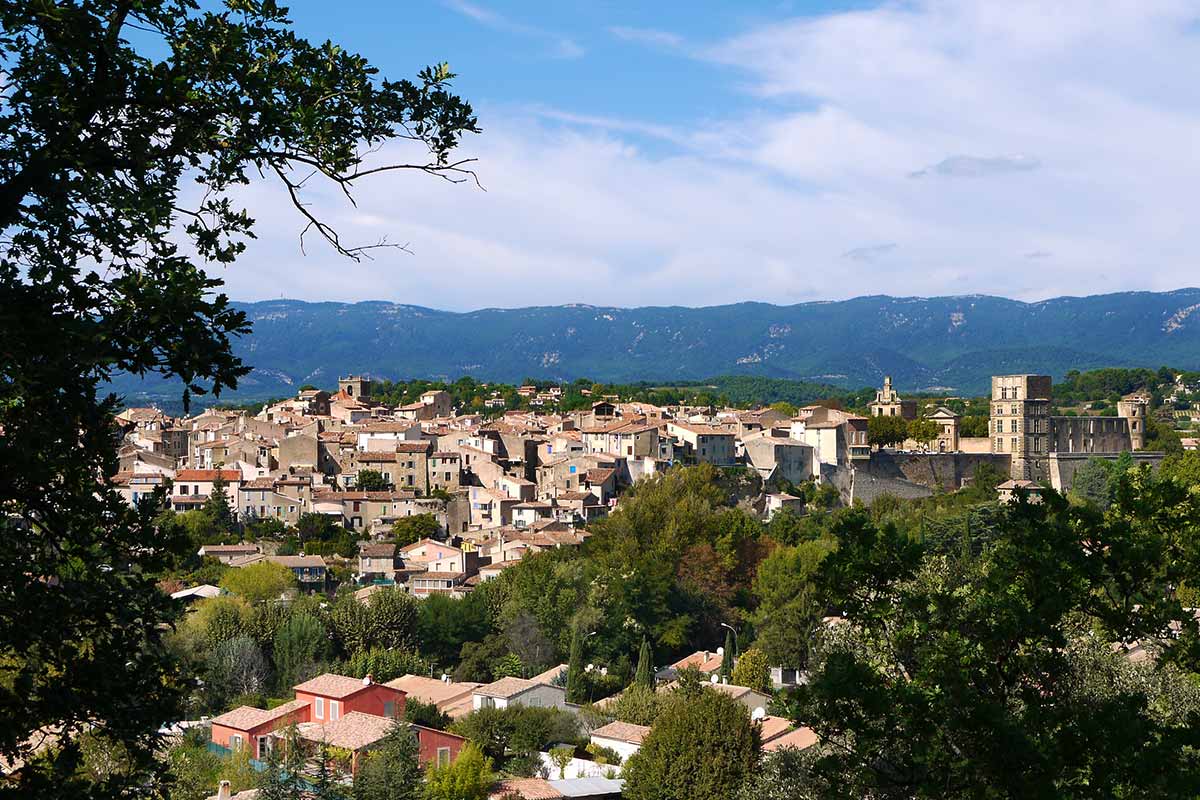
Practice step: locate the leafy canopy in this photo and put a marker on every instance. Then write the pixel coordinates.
(108, 108)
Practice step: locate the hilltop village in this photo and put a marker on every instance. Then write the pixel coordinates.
(340, 494)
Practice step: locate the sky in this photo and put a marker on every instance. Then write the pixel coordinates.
(703, 153)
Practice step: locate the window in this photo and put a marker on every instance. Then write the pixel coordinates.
(320, 708)
(235, 742)
(1013, 426)
(264, 748)
(183, 489)
(335, 709)
(999, 445)
(443, 756)
(1014, 444)
(389, 708)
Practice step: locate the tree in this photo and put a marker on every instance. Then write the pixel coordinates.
(236, 667)
(788, 612)
(427, 714)
(644, 676)
(728, 655)
(782, 775)
(279, 780)
(637, 705)
(886, 431)
(575, 682)
(390, 770)
(108, 107)
(392, 619)
(562, 757)
(1090, 482)
(1182, 467)
(414, 528)
(992, 674)
(753, 671)
(478, 660)
(923, 430)
(468, 777)
(259, 582)
(300, 643)
(702, 747)
(371, 480)
(216, 505)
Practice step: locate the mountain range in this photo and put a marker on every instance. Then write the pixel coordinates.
(925, 343)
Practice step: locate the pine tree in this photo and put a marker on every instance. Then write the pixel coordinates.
(645, 666)
(727, 657)
(217, 504)
(575, 670)
(279, 779)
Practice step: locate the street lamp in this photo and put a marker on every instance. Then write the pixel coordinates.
(734, 632)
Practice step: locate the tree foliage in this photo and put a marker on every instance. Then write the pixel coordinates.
(753, 671)
(390, 770)
(468, 777)
(973, 672)
(702, 747)
(259, 582)
(107, 107)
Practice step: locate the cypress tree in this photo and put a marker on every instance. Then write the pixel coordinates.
(727, 657)
(645, 666)
(575, 670)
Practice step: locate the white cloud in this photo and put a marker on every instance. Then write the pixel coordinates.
(1074, 120)
(647, 36)
(560, 46)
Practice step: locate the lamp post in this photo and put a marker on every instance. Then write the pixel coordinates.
(734, 632)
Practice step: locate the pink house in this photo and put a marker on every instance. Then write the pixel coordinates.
(340, 711)
(331, 697)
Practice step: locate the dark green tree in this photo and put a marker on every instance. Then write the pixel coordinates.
(108, 106)
(576, 687)
(390, 770)
(414, 528)
(216, 505)
(371, 480)
(300, 643)
(728, 655)
(702, 747)
(991, 673)
(644, 676)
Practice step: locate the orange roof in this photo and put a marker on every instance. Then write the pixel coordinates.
(799, 739)
(207, 475)
(331, 685)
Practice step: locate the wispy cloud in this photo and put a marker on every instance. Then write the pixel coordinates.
(615, 125)
(647, 36)
(975, 167)
(869, 253)
(560, 46)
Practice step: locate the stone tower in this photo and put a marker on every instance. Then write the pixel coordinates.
(1134, 407)
(355, 386)
(1020, 423)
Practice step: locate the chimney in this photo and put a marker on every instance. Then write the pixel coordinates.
(223, 792)
(367, 680)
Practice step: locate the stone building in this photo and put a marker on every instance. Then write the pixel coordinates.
(1021, 426)
(887, 403)
(947, 438)
(1020, 423)
(1135, 407)
(355, 386)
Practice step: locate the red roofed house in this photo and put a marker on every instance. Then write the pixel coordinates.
(193, 486)
(338, 710)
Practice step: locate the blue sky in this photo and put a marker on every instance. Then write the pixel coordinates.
(703, 153)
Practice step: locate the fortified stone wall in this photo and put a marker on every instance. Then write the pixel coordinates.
(1063, 466)
(945, 471)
